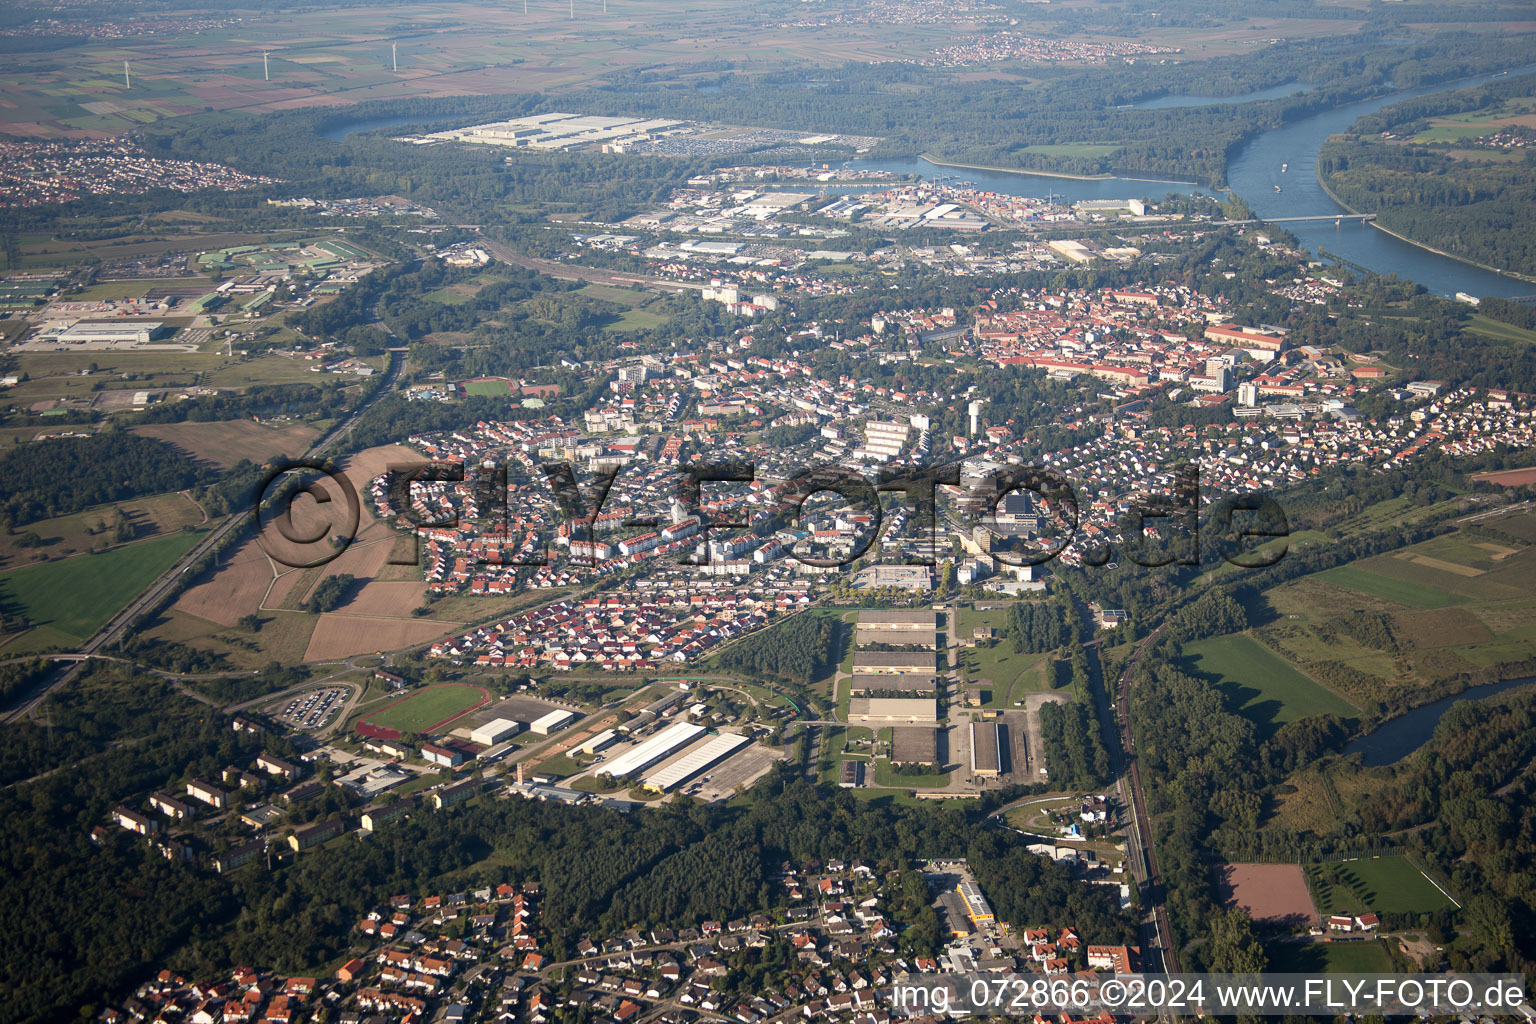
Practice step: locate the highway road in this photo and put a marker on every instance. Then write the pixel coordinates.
(166, 582)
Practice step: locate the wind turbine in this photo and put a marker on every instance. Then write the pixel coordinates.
(394, 55)
(573, 10)
(127, 82)
(266, 69)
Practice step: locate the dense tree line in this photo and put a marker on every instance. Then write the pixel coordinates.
(298, 401)
(19, 677)
(64, 475)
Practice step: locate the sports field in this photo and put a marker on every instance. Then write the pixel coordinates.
(76, 596)
(1339, 956)
(427, 709)
(1262, 687)
(495, 387)
(1269, 893)
(1378, 884)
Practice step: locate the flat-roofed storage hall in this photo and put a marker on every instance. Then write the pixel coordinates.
(914, 744)
(917, 663)
(889, 710)
(665, 743)
(989, 742)
(704, 756)
(897, 627)
(493, 732)
(552, 722)
(905, 619)
(917, 686)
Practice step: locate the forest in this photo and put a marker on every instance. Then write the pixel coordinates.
(1074, 747)
(1036, 626)
(64, 475)
(799, 650)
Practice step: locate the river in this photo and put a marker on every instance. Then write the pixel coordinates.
(1398, 737)
(1253, 173)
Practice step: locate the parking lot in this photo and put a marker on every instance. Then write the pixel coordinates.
(738, 770)
(312, 709)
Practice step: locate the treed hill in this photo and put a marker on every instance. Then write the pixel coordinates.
(55, 478)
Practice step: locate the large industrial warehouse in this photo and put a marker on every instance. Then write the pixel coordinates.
(901, 619)
(665, 743)
(918, 686)
(898, 627)
(704, 756)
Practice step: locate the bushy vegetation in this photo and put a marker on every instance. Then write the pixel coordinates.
(329, 593)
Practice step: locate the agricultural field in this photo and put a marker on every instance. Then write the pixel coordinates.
(376, 616)
(1378, 884)
(1259, 684)
(77, 596)
(429, 707)
(1398, 591)
(157, 515)
(343, 636)
(1453, 604)
(225, 443)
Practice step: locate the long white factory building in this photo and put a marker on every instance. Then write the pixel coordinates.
(696, 760)
(638, 759)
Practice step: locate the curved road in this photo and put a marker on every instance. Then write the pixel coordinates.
(163, 586)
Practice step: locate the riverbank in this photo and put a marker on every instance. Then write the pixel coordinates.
(1375, 222)
(1047, 174)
